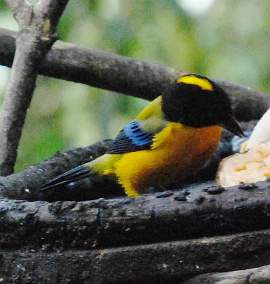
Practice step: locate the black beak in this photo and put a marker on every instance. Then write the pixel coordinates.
(232, 125)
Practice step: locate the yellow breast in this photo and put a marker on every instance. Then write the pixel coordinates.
(178, 152)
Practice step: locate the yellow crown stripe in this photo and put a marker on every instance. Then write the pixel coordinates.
(193, 80)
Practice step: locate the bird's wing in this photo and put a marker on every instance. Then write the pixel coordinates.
(133, 137)
(136, 135)
(153, 109)
(139, 134)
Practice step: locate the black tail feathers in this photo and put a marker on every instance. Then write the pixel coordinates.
(72, 175)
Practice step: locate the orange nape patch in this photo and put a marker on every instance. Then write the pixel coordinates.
(203, 83)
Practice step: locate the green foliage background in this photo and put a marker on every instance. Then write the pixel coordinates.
(230, 41)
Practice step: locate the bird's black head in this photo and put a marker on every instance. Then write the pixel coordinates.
(196, 101)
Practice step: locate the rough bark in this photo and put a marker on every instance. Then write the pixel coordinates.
(26, 184)
(125, 75)
(37, 26)
(191, 212)
(169, 262)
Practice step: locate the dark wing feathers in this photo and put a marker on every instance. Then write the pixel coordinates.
(131, 138)
(67, 177)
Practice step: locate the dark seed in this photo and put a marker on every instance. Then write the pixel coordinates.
(215, 190)
(122, 213)
(164, 194)
(200, 199)
(181, 196)
(247, 186)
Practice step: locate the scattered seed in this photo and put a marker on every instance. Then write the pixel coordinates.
(164, 194)
(181, 196)
(122, 212)
(247, 186)
(199, 200)
(215, 190)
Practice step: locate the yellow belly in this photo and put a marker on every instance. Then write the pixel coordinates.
(178, 152)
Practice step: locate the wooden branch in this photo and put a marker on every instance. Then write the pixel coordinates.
(169, 262)
(50, 11)
(186, 213)
(22, 11)
(34, 39)
(26, 184)
(125, 75)
(45, 240)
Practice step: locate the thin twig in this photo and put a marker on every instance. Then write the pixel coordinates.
(37, 27)
(21, 10)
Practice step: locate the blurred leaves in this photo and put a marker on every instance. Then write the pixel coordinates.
(226, 40)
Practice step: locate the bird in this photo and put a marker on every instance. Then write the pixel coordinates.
(169, 141)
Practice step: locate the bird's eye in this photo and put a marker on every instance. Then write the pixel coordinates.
(202, 83)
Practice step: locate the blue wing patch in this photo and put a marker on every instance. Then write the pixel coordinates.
(131, 138)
